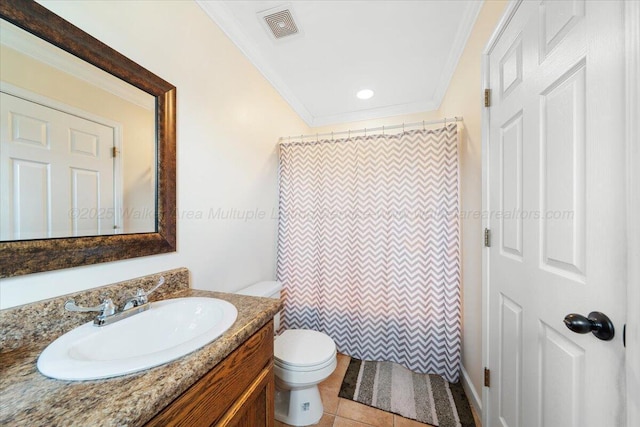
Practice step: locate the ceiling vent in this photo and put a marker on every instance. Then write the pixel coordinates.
(279, 21)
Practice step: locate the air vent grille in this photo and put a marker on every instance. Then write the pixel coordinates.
(281, 24)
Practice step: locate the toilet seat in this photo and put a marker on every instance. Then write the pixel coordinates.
(303, 350)
(317, 367)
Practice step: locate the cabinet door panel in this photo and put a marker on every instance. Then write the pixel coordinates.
(210, 400)
(256, 407)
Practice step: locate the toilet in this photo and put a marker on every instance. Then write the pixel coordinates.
(302, 359)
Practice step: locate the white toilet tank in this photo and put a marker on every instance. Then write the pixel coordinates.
(267, 289)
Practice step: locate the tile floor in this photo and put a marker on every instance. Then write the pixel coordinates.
(339, 412)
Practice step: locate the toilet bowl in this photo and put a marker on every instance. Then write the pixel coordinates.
(302, 359)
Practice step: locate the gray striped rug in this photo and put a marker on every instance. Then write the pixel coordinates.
(393, 388)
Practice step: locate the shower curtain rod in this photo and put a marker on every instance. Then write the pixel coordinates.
(376, 129)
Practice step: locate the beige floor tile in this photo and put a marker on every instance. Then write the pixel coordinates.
(344, 422)
(341, 368)
(333, 382)
(329, 396)
(325, 421)
(364, 414)
(343, 363)
(330, 387)
(405, 422)
(476, 418)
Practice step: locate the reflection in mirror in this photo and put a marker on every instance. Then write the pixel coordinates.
(131, 196)
(77, 145)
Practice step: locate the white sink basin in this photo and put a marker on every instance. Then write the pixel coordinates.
(167, 331)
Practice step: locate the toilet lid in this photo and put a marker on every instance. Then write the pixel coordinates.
(303, 348)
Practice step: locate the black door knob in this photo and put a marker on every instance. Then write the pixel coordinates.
(597, 322)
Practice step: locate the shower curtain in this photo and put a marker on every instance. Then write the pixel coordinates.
(368, 245)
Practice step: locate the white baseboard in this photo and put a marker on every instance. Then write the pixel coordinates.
(471, 392)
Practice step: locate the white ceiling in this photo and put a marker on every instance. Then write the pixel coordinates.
(406, 51)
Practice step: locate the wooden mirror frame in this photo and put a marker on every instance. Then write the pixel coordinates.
(32, 256)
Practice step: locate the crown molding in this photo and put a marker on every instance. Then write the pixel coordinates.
(225, 20)
(223, 17)
(467, 23)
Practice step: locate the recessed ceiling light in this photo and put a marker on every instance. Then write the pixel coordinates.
(364, 94)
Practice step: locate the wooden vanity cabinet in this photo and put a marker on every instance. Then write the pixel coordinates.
(239, 391)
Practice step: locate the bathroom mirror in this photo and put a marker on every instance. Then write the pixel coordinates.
(106, 190)
(77, 145)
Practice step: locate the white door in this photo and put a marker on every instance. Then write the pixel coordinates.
(56, 173)
(556, 194)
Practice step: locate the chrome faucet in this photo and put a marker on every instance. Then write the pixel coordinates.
(109, 311)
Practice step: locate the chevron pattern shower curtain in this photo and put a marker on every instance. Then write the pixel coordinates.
(368, 246)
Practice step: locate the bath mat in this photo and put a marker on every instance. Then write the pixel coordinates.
(393, 388)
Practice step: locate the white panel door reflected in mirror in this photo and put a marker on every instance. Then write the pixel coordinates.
(62, 121)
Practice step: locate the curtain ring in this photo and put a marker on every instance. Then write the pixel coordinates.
(301, 138)
(402, 127)
(423, 126)
(445, 122)
(382, 130)
(365, 132)
(349, 135)
(332, 135)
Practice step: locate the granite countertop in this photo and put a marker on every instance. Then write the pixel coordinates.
(29, 398)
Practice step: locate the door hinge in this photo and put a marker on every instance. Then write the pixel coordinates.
(487, 97)
(487, 377)
(487, 237)
(114, 152)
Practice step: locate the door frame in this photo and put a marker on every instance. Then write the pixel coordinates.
(632, 107)
(504, 21)
(632, 70)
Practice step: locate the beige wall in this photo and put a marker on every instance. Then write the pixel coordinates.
(136, 124)
(463, 98)
(229, 121)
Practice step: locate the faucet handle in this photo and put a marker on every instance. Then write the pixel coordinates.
(160, 283)
(106, 308)
(142, 296)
